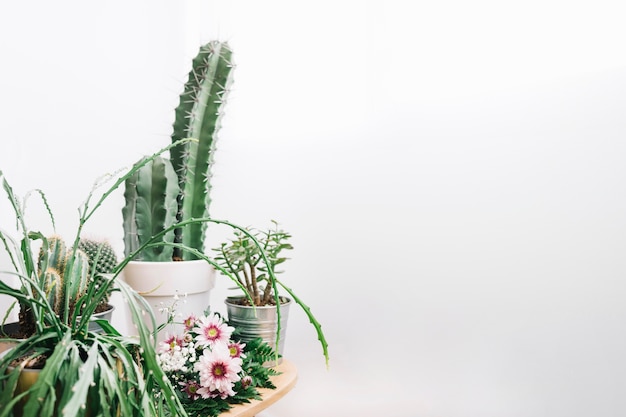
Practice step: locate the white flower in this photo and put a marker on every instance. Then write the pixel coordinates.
(218, 371)
(212, 330)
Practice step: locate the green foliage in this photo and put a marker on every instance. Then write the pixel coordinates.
(199, 115)
(102, 257)
(102, 261)
(178, 190)
(65, 275)
(113, 374)
(242, 256)
(256, 353)
(250, 259)
(259, 353)
(150, 195)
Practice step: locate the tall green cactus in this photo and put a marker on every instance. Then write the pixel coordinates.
(152, 198)
(150, 208)
(198, 116)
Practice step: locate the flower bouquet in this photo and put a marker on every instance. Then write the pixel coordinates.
(210, 370)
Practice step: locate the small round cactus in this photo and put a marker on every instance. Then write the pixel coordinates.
(102, 260)
(100, 253)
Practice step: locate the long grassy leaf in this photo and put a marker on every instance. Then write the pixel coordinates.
(148, 344)
(76, 403)
(43, 390)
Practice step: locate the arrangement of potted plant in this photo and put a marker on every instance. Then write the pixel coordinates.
(167, 209)
(176, 191)
(61, 288)
(61, 367)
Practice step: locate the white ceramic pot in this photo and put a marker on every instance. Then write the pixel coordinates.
(159, 282)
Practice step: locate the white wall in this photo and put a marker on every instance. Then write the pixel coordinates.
(452, 173)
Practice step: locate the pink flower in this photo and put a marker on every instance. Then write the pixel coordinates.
(212, 330)
(246, 381)
(191, 388)
(206, 393)
(236, 349)
(218, 371)
(170, 343)
(190, 321)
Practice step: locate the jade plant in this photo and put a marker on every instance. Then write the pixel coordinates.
(250, 260)
(177, 190)
(242, 257)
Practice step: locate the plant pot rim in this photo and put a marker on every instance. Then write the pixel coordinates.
(229, 300)
(167, 262)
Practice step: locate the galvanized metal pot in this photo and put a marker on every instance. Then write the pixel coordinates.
(260, 322)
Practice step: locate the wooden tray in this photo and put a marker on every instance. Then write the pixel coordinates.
(284, 383)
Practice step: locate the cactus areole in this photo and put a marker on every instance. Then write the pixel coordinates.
(156, 199)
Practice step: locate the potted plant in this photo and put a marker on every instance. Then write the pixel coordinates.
(62, 367)
(166, 212)
(251, 258)
(176, 191)
(93, 262)
(102, 261)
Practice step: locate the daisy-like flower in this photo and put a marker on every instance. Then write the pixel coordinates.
(190, 388)
(212, 330)
(236, 349)
(218, 371)
(246, 381)
(190, 322)
(170, 343)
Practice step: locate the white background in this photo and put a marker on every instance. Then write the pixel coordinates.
(452, 173)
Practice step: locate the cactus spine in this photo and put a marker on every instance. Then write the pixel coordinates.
(102, 257)
(102, 260)
(150, 195)
(198, 116)
(153, 201)
(65, 275)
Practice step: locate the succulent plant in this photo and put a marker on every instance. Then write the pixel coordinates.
(150, 208)
(102, 261)
(151, 199)
(199, 115)
(250, 259)
(64, 278)
(101, 255)
(242, 257)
